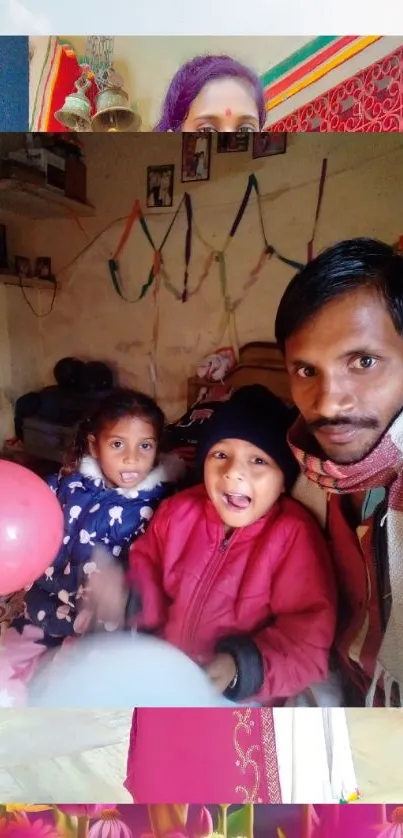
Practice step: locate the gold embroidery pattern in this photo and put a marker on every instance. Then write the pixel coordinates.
(246, 761)
(270, 755)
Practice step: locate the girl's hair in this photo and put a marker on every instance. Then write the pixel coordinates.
(193, 76)
(121, 402)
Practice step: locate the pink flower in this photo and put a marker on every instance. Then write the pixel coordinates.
(26, 829)
(394, 827)
(202, 824)
(170, 835)
(199, 826)
(83, 810)
(109, 825)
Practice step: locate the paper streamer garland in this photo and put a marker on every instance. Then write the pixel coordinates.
(155, 270)
(158, 273)
(318, 208)
(185, 294)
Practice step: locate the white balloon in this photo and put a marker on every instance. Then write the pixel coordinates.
(122, 670)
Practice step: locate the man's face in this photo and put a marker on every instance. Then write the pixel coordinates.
(346, 371)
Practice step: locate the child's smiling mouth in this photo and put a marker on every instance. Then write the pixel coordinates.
(129, 476)
(236, 501)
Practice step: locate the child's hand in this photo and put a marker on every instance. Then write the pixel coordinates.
(222, 671)
(106, 593)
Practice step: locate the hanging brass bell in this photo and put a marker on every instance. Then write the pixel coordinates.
(113, 112)
(76, 111)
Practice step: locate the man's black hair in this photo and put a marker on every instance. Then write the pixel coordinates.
(347, 266)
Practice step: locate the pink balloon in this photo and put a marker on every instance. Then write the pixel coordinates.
(31, 527)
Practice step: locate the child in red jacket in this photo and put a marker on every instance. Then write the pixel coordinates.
(236, 573)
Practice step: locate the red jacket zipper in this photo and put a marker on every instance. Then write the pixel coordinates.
(204, 588)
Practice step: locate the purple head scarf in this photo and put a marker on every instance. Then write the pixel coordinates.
(193, 76)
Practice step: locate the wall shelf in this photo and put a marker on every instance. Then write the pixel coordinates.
(35, 201)
(28, 282)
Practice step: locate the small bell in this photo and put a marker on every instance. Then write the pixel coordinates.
(76, 111)
(113, 112)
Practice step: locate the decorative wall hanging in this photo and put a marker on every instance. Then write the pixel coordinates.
(312, 62)
(160, 186)
(371, 101)
(98, 57)
(322, 181)
(267, 144)
(113, 112)
(196, 157)
(59, 73)
(236, 141)
(99, 102)
(75, 113)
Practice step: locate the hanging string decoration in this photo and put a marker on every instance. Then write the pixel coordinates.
(158, 275)
(228, 322)
(98, 58)
(318, 208)
(157, 271)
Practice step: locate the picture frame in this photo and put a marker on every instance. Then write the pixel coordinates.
(22, 266)
(232, 142)
(269, 143)
(160, 186)
(196, 157)
(43, 267)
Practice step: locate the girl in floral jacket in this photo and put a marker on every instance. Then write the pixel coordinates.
(111, 485)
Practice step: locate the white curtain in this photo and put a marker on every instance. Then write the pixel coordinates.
(314, 755)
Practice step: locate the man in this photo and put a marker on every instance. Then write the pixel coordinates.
(340, 327)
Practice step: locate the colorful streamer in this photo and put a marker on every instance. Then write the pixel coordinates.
(318, 208)
(155, 270)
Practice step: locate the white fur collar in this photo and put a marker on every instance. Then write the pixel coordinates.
(170, 469)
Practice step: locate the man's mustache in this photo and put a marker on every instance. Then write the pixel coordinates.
(343, 422)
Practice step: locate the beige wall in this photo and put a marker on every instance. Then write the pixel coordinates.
(362, 197)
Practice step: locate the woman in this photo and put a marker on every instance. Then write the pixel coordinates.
(240, 755)
(211, 94)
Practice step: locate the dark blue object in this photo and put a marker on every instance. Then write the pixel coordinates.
(14, 83)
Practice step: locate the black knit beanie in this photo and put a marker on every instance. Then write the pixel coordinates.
(255, 415)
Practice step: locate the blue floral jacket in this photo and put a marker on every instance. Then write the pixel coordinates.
(93, 515)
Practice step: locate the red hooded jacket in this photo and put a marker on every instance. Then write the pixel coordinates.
(266, 594)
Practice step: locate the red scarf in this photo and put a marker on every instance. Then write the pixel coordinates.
(381, 659)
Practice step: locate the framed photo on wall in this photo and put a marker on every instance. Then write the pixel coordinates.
(236, 141)
(160, 186)
(269, 143)
(196, 157)
(43, 267)
(22, 266)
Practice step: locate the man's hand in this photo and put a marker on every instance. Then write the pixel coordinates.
(222, 671)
